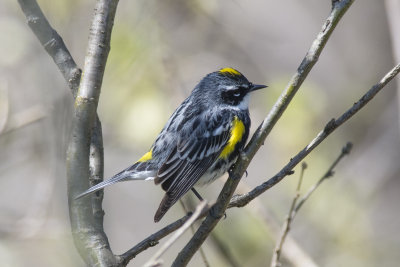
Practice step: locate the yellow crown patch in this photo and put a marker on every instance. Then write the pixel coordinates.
(230, 71)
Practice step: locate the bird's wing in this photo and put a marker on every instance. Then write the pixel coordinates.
(199, 145)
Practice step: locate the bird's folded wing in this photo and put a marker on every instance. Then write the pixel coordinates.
(191, 158)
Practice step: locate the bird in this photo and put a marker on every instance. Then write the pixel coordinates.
(199, 143)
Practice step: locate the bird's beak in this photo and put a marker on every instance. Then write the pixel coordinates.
(255, 87)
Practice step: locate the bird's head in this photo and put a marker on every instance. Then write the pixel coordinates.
(226, 87)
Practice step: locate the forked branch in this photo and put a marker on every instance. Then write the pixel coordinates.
(295, 207)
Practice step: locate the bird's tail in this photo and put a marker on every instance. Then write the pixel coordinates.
(128, 174)
(165, 205)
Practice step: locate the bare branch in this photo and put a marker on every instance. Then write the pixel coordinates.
(293, 252)
(345, 151)
(55, 47)
(295, 207)
(286, 226)
(155, 260)
(239, 201)
(91, 241)
(338, 10)
(52, 43)
(393, 17)
(192, 226)
(153, 239)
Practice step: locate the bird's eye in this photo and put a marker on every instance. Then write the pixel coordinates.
(236, 93)
(233, 96)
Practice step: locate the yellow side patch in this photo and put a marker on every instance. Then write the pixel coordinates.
(230, 71)
(147, 156)
(237, 132)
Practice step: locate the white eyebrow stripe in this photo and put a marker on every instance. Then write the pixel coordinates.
(231, 87)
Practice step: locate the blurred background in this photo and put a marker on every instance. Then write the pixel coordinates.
(159, 51)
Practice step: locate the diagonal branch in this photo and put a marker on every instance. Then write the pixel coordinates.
(338, 10)
(393, 18)
(153, 239)
(155, 260)
(191, 205)
(52, 43)
(241, 200)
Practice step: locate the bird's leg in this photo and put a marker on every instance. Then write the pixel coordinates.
(201, 199)
(197, 194)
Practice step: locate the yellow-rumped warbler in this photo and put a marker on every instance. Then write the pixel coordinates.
(199, 143)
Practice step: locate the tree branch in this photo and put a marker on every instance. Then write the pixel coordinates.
(329, 173)
(244, 199)
(91, 241)
(52, 43)
(153, 239)
(96, 173)
(338, 10)
(286, 226)
(295, 207)
(241, 200)
(296, 256)
(393, 18)
(155, 260)
(57, 50)
(192, 227)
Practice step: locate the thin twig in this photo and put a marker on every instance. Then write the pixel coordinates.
(216, 242)
(192, 229)
(295, 207)
(155, 260)
(153, 239)
(345, 151)
(294, 253)
(52, 43)
(216, 213)
(286, 226)
(393, 18)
